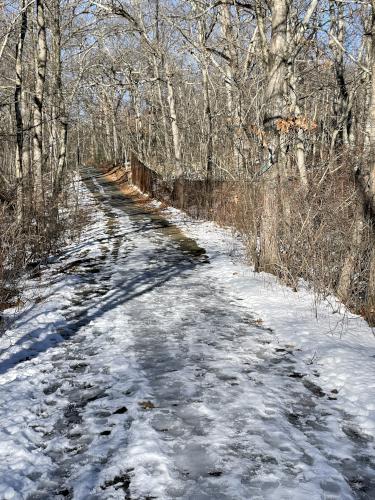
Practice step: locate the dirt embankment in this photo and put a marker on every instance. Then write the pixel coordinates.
(121, 176)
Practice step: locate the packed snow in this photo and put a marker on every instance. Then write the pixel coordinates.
(150, 361)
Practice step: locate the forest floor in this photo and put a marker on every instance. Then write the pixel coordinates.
(149, 361)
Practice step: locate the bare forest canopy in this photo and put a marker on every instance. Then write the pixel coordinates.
(276, 96)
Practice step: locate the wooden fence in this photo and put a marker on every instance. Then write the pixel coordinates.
(199, 198)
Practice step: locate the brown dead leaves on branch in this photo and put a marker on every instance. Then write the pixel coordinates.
(286, 125)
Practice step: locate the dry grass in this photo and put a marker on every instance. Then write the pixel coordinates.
(315, 237)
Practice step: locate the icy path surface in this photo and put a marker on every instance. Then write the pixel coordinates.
(142, 368)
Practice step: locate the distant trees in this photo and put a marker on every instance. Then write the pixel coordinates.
(40, 130)
(35, 36)
(278, 94)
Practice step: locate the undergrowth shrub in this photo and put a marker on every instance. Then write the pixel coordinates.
(24, 247)
(315, 235)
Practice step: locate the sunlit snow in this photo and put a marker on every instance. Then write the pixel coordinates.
(151, 363)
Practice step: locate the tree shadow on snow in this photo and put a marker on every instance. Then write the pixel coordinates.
(105, 291)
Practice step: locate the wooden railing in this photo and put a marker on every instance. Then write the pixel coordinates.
(199, 198)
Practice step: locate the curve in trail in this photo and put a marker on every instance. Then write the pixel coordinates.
(162, 386)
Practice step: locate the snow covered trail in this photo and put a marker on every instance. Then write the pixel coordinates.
(136, 372)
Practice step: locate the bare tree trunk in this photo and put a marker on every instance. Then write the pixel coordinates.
(346, 275)
(161, 105)
(109, 112)
(138, 123)
(370, 125)
(208, 116)
(155, 61)
(368, 178)
(343, 107)
(226, 27)
(19, 109)
(176, 138)
(114, 134)
(371, 288)
(231, 85)
(60, 120)
(40, 63)
(94, 147)
(106, 121)
(275, 98)
(204, 61)
(300, 139)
